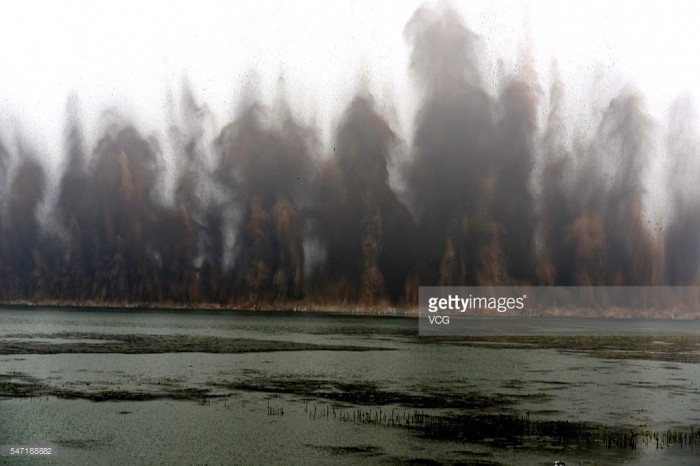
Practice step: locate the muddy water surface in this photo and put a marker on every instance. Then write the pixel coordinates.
(179, 387)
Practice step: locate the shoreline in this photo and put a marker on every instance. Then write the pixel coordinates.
(340, 309)
(352, 310)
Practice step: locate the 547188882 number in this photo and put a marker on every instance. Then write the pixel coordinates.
(31, 450)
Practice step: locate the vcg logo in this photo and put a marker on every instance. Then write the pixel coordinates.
(439, 320)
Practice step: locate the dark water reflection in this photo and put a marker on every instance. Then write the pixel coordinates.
(178, 387)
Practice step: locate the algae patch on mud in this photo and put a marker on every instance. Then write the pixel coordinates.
(20, 385)
(670, 348)
(79, 342)
(368, 393)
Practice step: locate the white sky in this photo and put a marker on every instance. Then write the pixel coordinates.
(126, 54)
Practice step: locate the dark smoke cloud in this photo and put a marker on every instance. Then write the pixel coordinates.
(457, 161)
(260, 214)
(514, 153)
(594, 225)
(682, 240)
(22, 269)
(266, 159)
(556, 206)
(366, 231)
